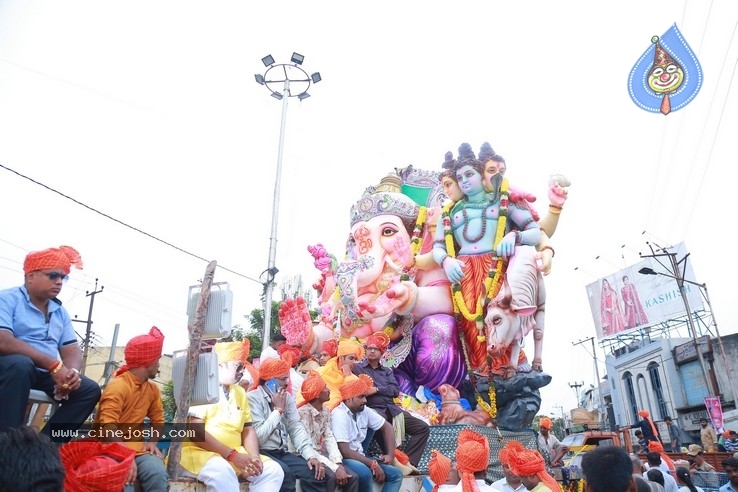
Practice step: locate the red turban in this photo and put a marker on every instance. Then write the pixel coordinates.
(438, 468)
(355, 386)
(62, 257)
(294, 352)
(510, 447)
(143, 350)
(311, 387)
(379, 339)
(93, 466)
(330, 346)
(530, 462)
(545, 422)
(273, 368)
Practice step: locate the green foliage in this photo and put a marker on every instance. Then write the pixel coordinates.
(167, 398)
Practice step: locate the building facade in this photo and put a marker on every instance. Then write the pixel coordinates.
(665, 377)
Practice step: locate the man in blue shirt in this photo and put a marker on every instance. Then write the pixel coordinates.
(730, 467)
(731, 443)
(38, 347)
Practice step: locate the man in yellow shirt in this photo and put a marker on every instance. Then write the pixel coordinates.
(127, 400)
(338, 368)
(229, 450)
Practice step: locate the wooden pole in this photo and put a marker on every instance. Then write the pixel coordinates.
(193, 354)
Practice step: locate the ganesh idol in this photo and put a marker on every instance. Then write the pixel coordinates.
(389, 282)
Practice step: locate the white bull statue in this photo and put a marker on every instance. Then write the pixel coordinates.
(518, 308)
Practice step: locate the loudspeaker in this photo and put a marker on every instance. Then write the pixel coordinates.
(206, 388)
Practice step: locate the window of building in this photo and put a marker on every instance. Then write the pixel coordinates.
(630, 392)
(653, 372)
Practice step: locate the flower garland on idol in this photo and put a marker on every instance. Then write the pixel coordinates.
(416, 242)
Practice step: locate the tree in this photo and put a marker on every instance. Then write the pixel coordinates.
(167, 399)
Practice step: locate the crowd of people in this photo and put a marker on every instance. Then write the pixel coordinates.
(336, 425)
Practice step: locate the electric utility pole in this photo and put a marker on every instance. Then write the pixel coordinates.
(601, 409)
(576, 387)
(88, 331)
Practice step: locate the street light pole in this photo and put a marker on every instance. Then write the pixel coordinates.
(271, 265)
(678, 275)
(275, 75)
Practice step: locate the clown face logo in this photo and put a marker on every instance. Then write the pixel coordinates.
(665, 78)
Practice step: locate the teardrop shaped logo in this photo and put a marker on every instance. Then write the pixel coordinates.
(667, 76)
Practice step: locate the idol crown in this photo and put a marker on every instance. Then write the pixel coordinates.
(374, 203)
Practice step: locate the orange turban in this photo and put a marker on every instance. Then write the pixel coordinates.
(530, 462)
(510, 447)
(472, 455)
(355, 386)
(232, 351)
(273, 368)
(546, 423)
(246, 350)
(647, 416)
(659, 448)
(143, 350)
(294, 352)
(379, 339)
(62, 257)
(438, 469)
(311, 387)
(350, 347)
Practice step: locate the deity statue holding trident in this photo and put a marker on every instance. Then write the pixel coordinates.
(474, 238)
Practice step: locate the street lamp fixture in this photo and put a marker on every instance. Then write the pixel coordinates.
(283, 80)
(297, 58)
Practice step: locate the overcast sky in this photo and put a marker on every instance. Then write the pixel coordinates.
(148, 112)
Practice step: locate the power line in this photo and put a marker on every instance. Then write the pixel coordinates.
(151, 236)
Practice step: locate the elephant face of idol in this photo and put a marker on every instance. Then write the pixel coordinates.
(383, 239)
(380, 234)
